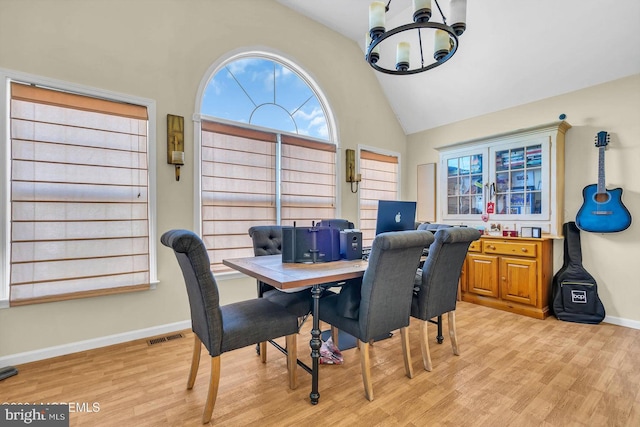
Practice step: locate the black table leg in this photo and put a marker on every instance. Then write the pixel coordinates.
(315, 344)
(440, 337)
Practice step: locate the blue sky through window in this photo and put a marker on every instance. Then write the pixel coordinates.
(265, 93)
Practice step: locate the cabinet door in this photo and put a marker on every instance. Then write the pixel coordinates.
(464, 175)
(482, 275)
(519, 174)
(518, 280)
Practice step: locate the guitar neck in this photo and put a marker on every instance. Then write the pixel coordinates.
(601, 181)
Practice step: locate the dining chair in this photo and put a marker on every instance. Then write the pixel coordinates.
(433, 227)
(436, 287)
(223, 328)
(340, 224)
(385, 296)
(267, 240)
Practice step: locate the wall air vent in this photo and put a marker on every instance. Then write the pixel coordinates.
(166, 338)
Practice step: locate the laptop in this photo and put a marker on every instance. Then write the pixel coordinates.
(395, 215)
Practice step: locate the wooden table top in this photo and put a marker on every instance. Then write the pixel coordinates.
(270, 269)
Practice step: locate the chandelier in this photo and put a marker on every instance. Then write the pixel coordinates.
(443, 37)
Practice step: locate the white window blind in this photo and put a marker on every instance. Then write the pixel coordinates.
(238, 188)
(379, 182)
(79, 180)
(308, 181)
(239, 180)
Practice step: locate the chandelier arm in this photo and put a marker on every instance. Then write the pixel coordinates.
(421, 51)
(444, 18)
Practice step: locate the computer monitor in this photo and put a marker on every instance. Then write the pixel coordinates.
(395, 215)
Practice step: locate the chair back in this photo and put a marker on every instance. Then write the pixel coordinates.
(385, 300)
(202, 289)
(267, 239)
(433, 227)
(441, 272)
(340, 224)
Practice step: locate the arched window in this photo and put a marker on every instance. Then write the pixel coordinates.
(265, 93)
(267, 152)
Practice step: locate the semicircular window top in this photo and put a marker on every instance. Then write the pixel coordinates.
(264, 93)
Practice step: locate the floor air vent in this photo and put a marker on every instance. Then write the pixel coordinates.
(166, 338)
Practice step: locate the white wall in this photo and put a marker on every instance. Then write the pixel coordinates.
(160, 49)
(613, 107)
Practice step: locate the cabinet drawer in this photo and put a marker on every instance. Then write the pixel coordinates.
(475, 246)
(527, 249)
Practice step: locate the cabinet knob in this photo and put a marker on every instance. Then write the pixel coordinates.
(524, 249)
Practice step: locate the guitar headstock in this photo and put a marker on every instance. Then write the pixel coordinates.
(602, 139)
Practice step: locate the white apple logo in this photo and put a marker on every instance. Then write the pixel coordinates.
(398, 217)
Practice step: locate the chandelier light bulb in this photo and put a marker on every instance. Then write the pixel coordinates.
(459, 16)
(442, 45)
(421, 10)
(402, 56)
(376, 19)
(375, 52)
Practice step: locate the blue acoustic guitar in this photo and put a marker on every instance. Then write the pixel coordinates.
(602, 210)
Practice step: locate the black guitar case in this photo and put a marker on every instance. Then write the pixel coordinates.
(574, 291)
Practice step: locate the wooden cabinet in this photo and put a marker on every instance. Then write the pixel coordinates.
(517, 177)
(509, 273)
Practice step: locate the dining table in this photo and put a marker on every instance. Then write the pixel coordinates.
(289, 276)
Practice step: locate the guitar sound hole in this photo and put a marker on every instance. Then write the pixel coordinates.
(601, 197)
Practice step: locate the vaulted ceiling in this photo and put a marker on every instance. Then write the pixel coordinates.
(512, 53)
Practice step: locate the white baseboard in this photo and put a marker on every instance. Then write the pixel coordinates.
(627, 323)
(74, 347)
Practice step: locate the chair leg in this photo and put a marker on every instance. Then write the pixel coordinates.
(424, 345)
(213, 389)
(452, 332)
(365, 365)
(195, 362)
(263, 351)
(292, 360)
(335, 332)
(406, 351)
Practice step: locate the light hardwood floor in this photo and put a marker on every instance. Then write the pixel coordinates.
(512, 371)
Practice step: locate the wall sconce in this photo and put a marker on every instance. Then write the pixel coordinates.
(351, 169)
(175, 142)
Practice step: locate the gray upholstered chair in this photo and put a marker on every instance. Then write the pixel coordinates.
(432, 226)
(385, 296)
(228, 327)
(267, 240)
(341, 224)
(436, 287)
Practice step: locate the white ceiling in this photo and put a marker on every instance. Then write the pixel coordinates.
(512, 53)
